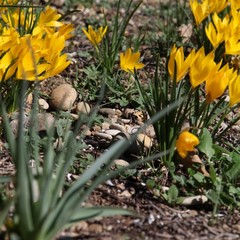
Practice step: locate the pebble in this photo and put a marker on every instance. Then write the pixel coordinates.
(112, 132)
(63, 97)
(29, 99)
(126, 194)
(45, 121)
(15, 123)
(80, 226)
(121, 162)
(125, 120)
(74, 116)
(118, 127)
(105, 125)
(83, 107)
(195, 200)
(145, 140)
(86, 130)
(95, 228)
(150, 132)
(110, 111)
(43, 103)
(132, 129)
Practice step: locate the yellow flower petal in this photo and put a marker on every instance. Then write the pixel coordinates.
(234, 89)
(177, 61)
(217, 83)
(130, 61)
(95, 37)
(185, 143)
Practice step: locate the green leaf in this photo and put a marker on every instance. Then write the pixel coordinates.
(234, 171)
(199, 177)
(86, 213)
(213, 196)
(206, 143)
(173, 194)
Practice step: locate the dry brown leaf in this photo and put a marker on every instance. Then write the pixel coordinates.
(191, 159)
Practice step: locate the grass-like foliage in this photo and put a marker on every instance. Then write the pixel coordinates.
(43, 203)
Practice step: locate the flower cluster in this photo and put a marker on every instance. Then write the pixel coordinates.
(30, 45)
(202, 9)
(221, 29)
(202, 68)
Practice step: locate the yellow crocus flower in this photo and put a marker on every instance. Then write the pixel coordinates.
(130, 61)
(66, 30)
(47, 22)
(217, 83)
(177, 59)
(185, 143)
(202, 9)
(232, 45)
(95, 37)
(41, 58)
(234, 89)
(202, 66)
(217, 30)
(9, 63)
(235, 4)
(8, 38)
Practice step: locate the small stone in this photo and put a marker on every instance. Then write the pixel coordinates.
(45, 121)
(58, 3)
(132, 129)
(15, 123)
(43, 103)
(110, 111)
(74, 116)
(105, 125)
(107, 111)
(112, 132)
(79, 227)
(29, 99)
(63, 97)
(223, 125)
(195, 200)
(86, 130)
(236, 128)
(97, 128)
(118, 127)
(150, 132)
(14, 126)
(125, 194)
(190, 213)
(125, 121)
(185, 126)
(145, 140)
(83, 107)
(95, 228)
(121, 162)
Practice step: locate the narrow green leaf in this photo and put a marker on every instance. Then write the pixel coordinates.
(4, 211)
(86, 213)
